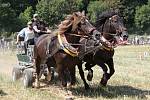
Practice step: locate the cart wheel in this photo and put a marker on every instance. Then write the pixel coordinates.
(16, 73)
(27, 78)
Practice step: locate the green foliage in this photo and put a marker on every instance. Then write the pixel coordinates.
(127, 8)
(16, 13)
(7, 17)
(55, 10)
(26, 16)
(20, 5)
(97, 7)
(142, 17)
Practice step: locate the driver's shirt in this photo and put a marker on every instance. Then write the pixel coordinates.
(38, 27)
(27, 34)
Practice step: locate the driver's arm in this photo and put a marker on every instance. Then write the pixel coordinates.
(48, 30)
(21, 34)
(36, 29)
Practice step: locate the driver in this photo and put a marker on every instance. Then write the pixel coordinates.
(39, 26)
(28, 34)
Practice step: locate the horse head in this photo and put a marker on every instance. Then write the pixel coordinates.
(117, 24)
(113, 29)
(77, 23)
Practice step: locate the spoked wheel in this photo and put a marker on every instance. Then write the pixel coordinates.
(16, 73)
(27, 78)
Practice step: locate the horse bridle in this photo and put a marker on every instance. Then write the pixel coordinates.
(110, 24)
(85, 35)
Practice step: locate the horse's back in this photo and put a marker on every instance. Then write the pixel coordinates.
(44, 37)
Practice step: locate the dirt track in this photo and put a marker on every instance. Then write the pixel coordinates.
(7, 61)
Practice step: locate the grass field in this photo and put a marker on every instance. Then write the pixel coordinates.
(131, 80)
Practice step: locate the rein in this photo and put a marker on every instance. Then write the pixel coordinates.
(83, 36)
(106, 40)
(111, 34)
(91, 30)
(78, 35)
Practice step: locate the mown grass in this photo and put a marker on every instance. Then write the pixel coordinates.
(131, 81)
(15, 91)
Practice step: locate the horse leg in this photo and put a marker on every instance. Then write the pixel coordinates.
(110, 64)
(61, 72)
(81, 72)
(51, 64)
(104, 80)
(90, 71)
(37, 68)
(72, 75)
(49, 75)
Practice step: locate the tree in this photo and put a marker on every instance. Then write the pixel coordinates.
(7, 17)
(96, 7)
(10, 10)
(127, 8)
(20, 5)
(26, 16)
(55, 10)
(85, 5)
(142, 17)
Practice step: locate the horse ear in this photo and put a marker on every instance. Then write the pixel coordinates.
(83, 13)
(75, 14)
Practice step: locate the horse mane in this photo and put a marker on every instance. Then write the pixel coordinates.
(71, 22)
(100, 19)
(66, 25)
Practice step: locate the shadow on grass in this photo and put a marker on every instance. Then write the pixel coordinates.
(53, 82)
(111, 92)
(108, 92)
(2, 93)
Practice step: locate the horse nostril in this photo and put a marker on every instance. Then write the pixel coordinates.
(125, 35)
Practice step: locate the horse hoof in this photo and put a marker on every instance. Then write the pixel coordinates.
(37, 85)
(69, 98)
(48, 78)
(103, 83)
(103, 87)
(87, 87)
(64, 84)
(70, 85)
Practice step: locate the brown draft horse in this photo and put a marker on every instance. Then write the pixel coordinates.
(57, 49)
(112, 29)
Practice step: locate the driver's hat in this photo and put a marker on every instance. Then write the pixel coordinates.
(35, 15)
(29, 23)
